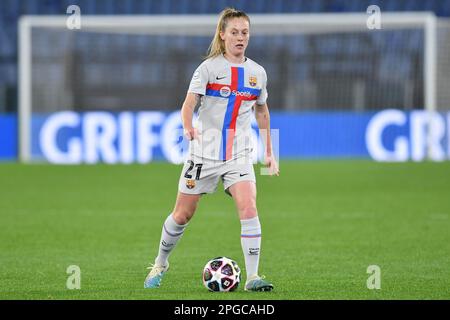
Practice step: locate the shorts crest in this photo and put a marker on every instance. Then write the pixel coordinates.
(190, 184)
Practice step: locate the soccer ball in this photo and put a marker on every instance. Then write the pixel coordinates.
(221, 274)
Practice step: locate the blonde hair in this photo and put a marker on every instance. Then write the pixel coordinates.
(217, 46)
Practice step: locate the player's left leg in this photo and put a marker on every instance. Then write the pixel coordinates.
(244, 195)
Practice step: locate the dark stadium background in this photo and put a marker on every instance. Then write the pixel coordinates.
(12, 10)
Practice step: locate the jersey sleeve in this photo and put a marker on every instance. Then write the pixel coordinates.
(199, 80)
(263, 95)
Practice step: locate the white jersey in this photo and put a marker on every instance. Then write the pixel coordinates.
(228, 93)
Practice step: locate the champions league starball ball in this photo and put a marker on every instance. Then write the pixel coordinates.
(221, 274)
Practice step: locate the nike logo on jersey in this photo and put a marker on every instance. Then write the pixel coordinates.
(217, 78)
(241, 175)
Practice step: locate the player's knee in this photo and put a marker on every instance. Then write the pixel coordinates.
(248, 212)
(182, 216)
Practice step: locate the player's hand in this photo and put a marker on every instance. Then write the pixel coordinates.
(272, 164)
(191, 134)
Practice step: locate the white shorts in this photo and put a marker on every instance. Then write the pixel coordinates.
(201, 175)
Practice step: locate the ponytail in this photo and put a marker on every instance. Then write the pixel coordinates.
(217, 46)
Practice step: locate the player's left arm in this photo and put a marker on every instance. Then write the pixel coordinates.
(262, 116)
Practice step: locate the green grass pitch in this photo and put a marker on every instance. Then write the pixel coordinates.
(323, 224)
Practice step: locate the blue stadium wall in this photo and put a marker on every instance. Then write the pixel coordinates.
(141, 137)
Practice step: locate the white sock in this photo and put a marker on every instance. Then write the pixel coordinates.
(171, 233)
(251, 244)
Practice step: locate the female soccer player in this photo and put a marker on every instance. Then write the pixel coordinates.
(229, 86)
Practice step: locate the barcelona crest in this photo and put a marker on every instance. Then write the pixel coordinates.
(252, 80)
(190, 184)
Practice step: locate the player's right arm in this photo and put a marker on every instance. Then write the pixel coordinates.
(187, 111)
(197, 89)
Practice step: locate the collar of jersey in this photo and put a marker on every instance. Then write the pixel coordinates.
(235, 64)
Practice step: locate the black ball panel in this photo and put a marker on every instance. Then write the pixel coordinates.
(207, 275)
(227, 270)
(214, 286)
(215, 265)
(226, 283)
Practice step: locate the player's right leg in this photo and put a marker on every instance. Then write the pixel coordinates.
(198, 177)
(172, 231)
